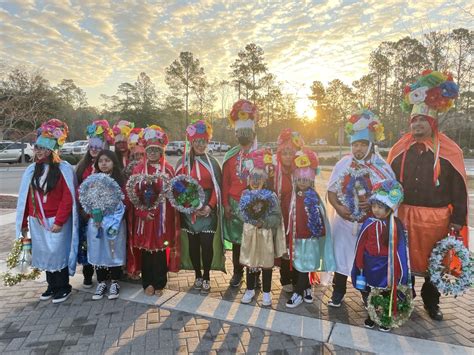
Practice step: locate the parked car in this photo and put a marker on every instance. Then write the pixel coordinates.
(66, 149)
(80, 147)
(321, 141)
(175, 148)
(10, 152)
(214, 146)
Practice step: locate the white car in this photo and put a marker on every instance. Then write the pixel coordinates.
(214, 147)
(10, 152)
(80, 147)
(66, 149)
(175, 148)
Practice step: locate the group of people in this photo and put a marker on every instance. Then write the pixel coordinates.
(382, 218)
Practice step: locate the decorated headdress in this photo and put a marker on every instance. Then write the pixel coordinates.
(244, 115)
(289, 139)
(433, 92)
(122, 130)
(135, 137)
(199, 130)
(259, 161)
(388, 192)
(100, 130)
(154, 135)
(52, 134)
(364, 125)
(306, 164)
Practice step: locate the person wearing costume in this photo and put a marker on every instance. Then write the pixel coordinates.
(46, 208)
(155, 229)
(289, 142)
(262, 237)
(377, 236)
(106, 240)
(201, 226)
(121, 131)
(348, 190)
(430, 167)
(309, 235)
(243, 118)
(100, 136)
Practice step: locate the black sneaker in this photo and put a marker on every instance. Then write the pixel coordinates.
(384, 329)
(336, 300)
(434, 312)
(46, 295)
(308, 295)
(61, 297)
(87, 283)
(114, 291)
(294, 301)
(100, 291)
(369, 323)
(236, 279)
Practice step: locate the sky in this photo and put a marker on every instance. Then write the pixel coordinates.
(100, 44)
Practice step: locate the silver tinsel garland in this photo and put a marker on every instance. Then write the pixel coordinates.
(142, 180)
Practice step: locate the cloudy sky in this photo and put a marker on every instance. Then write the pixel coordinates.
(100, 44)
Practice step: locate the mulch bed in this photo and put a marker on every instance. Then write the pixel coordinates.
(7, 201)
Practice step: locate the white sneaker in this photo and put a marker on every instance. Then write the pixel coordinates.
(248, 296)
(100, 291)
(114, 291)
(294, 301)
(287, 288)
(267, 299)
(308, 297)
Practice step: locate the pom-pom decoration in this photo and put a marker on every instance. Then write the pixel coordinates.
(256, 205)
(243, 110)
(379, 306)
(146, 192)
(19, 264)
(101, 129)
(185, 194)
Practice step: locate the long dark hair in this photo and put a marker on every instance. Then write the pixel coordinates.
(120, 157)
(82, 165)
(51, 179)
(116, 172)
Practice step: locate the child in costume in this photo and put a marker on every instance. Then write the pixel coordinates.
(310, 242)
(262, 237)
(377, 236)
(47, 208)
(106, 240)
(121, 131)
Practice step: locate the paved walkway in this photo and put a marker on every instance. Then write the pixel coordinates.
(183, 321)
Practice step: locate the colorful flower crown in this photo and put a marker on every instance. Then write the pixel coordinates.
(244, 114)
(389, 192)
(433, 92)
(366, 124)
(199, 130)
(155, 135)
(52, 134)
(122, 130)
(101, 129)
(290, 139)
(306, 158)
(135, 137)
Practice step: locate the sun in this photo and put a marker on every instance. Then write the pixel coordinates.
(304, 109)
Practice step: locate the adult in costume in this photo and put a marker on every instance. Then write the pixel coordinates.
(100, 136)
(47, 206)
(203, 241)
(122, 131)
(289, 142)
(348, 191)
(155, 227)
(309, 235)
(243, 118)
(430, 166)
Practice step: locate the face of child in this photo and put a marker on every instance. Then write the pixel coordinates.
(153, 154)
(256, 181)
(106, 165)
(199, 146)
(379, 210)
(304, 184)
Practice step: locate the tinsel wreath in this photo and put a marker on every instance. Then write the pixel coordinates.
(378, 306)
(256, 205)
(448, 282)
(144, 190)
(127, 171)
(185, 194)
(100, 192)
(11, 279)
(311, 207)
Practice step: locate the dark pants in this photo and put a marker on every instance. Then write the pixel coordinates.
(88, 272)
(103, 273)
(58, 281)
(238, 268)
(339, 284)
(287, 276)
(429, 292)
(302, 282)
(266, 279)
(200, 246)
(154, 269)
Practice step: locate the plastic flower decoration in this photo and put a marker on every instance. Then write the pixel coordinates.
(155, 135)
(101, 129)
(243, 110)
(199, 129)
(122, 130)
(185, 194)
(365, 119)
(54, 130)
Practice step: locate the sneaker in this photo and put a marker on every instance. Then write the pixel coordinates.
(46, 295)
(267, 299)
(308, 296)
(287, 288)
(236, 280)
(384, 329)
(87, 283)
(369, 323)
(294, 301)
(434, 312)
(198, 283)
(206, 286)
(100, 291)
(61, 297)
(335, 300)
(248, 296)
(114, 291)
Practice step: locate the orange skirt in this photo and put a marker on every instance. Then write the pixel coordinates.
(426, 226)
